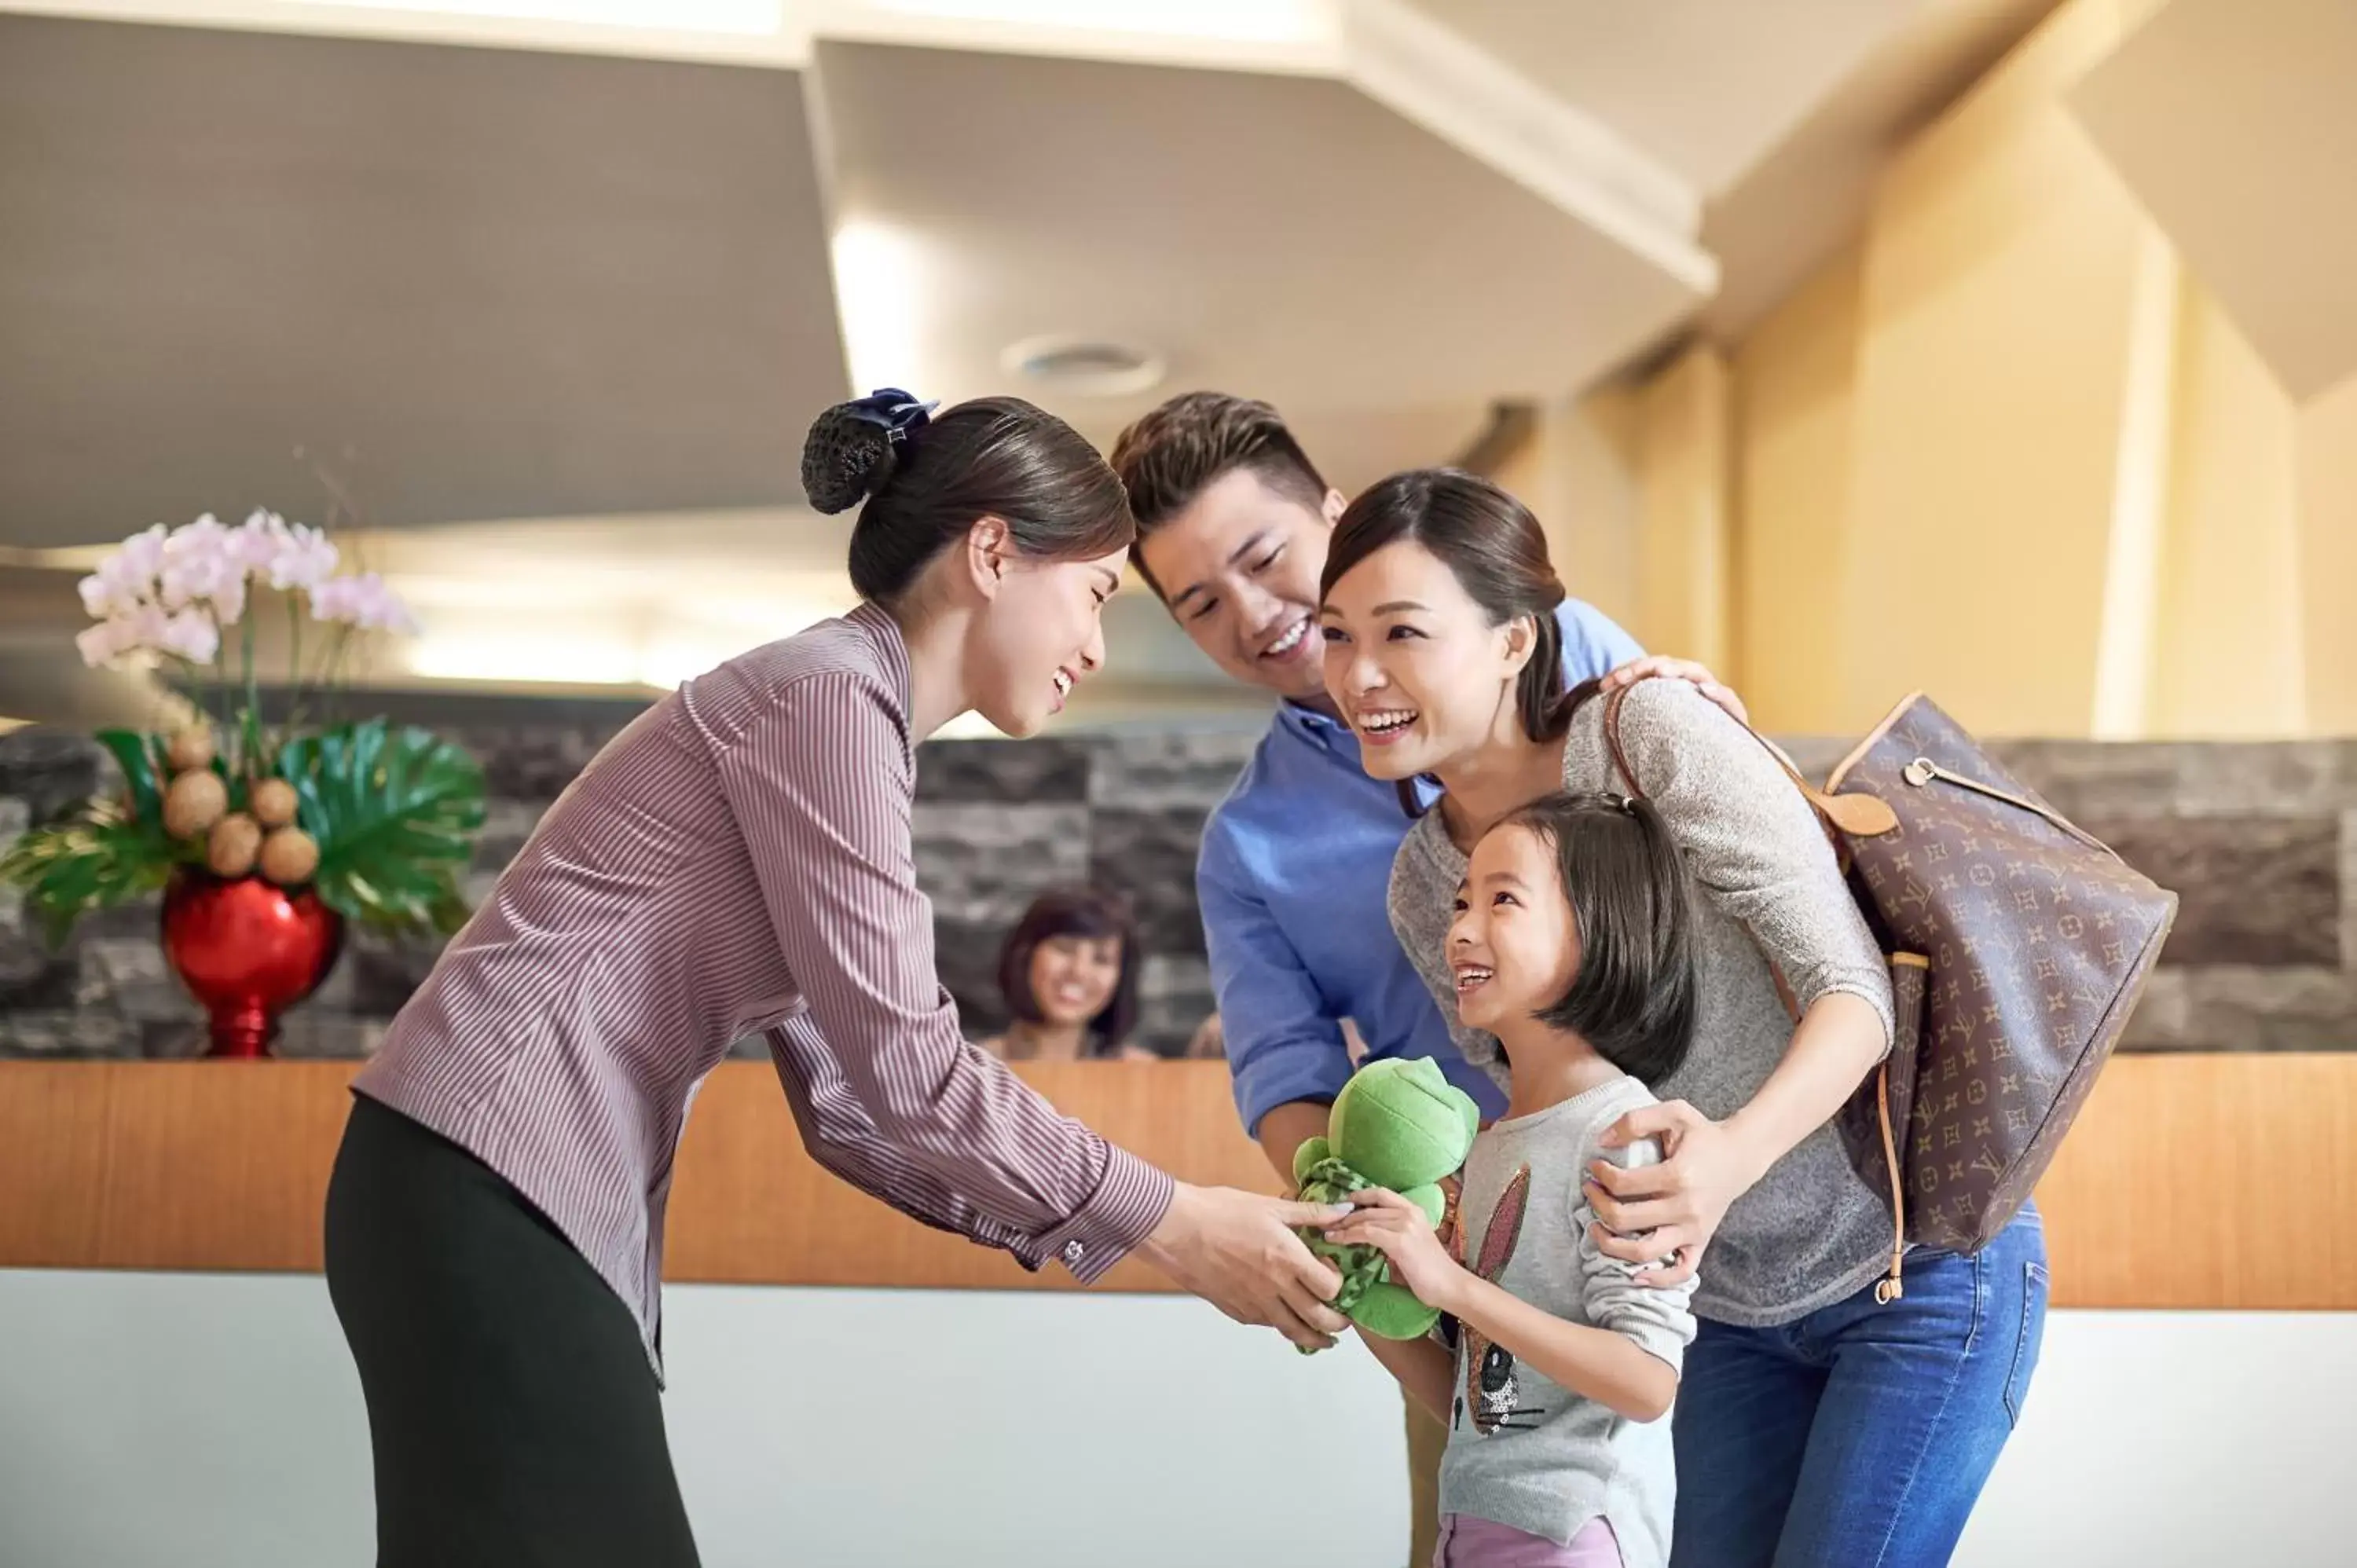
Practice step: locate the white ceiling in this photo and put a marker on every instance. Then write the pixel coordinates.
(498, 267)
(1704, 85)
(1808, 194)
(477, 284)
(1280, 234)
(2236, 123)
(491, 283)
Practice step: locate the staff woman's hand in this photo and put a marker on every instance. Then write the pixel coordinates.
(1237, 1250)
(1671, 1210)
(1695, 675)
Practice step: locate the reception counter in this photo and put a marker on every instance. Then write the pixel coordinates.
(2208, 1181)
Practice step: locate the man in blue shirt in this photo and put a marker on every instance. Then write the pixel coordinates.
(1234, 523)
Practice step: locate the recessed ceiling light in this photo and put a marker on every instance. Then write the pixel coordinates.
(1084, 366)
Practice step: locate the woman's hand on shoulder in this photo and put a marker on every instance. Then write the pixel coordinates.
(1661, 666)
(1670, 1210)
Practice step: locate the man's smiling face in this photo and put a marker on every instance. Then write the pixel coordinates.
(1238, 567)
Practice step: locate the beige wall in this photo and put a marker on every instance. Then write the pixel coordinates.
(2327, 441)
(2006, 449)
(1683, 555)
(1991, 396)
(2229, 659)
(1793, 383)
(1632, 486)
(1580, 471)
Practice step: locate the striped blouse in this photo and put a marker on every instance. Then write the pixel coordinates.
(739, 859)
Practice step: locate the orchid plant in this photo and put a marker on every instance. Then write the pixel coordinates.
(380, 821)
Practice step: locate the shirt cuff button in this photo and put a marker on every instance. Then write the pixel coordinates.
(1073, 1254)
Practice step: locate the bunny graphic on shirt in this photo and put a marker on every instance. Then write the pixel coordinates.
(1490, 1393)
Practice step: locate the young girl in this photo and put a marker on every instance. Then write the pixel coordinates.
(1573, 945)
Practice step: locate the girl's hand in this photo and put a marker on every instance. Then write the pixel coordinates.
(1400, 1229)
(1668, 1211)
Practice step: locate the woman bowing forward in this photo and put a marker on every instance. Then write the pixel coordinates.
(739, 859)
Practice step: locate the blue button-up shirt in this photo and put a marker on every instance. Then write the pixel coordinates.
(1292, 876)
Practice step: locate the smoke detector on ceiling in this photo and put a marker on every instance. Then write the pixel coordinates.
(1084, 366)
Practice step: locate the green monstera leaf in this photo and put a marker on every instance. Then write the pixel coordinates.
(108, 851)
(146, 774)
(98, 858)
(395, 812)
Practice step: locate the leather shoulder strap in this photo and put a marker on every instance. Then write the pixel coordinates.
(1619, 695)
(1859, 816)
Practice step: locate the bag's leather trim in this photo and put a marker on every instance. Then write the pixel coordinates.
(1934, 773)
(1891, 1287)
(1873, 737)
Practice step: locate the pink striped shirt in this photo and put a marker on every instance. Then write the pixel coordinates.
(739, 859)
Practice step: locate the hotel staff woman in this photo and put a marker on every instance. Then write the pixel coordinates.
(738, 860)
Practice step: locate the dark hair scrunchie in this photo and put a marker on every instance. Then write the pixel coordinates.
(853, 447)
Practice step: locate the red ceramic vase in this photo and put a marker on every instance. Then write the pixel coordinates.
(247, 950)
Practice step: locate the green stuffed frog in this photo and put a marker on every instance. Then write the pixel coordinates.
(1398, 1123)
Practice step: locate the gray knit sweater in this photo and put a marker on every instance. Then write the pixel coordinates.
(1812, 1231)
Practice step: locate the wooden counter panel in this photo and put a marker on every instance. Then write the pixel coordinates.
(2209, 1181)
(2191, 1181)
(749, 1206)
(167, 1165)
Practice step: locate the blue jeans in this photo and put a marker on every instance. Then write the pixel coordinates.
(1859, 1437)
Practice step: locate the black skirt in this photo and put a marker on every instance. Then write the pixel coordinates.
(512, 1413)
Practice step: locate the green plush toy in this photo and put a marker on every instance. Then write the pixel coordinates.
(1398, 1123)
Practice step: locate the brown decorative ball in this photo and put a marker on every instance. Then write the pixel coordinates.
(191, 748)
(234, 842)
(289, 856)
(194, 803)
(273, 802)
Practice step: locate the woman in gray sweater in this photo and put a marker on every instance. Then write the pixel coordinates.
(1817, 1423)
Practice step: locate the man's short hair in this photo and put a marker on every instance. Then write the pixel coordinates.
(1179, 450)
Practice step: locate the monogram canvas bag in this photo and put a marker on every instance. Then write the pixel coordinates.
(2018, 945)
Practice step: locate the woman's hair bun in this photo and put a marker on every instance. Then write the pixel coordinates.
(853, 447)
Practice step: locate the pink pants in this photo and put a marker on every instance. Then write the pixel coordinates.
(1469, 1542)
